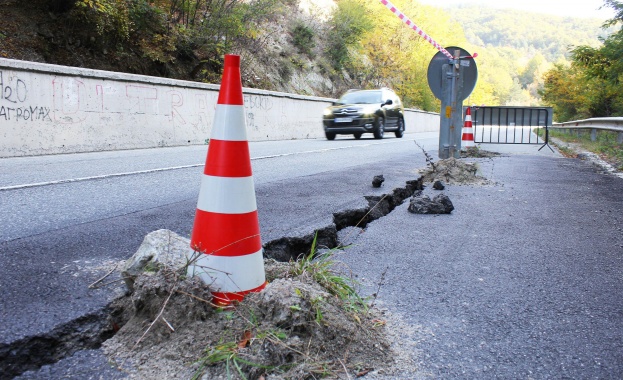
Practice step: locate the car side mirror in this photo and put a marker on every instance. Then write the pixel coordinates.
(388, 102)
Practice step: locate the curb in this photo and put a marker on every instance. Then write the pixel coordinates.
(584, 155)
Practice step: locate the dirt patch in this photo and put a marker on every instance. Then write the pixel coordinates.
(453, 171)
(295, 329)
(476, 152)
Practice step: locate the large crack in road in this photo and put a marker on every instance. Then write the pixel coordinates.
(91, 330)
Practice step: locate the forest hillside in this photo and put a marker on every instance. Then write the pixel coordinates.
(307, 47)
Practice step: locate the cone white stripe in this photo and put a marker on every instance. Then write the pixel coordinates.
(229, 123)
(230, 274)
(227, 195)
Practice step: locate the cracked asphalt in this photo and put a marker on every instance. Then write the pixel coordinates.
(522, 280)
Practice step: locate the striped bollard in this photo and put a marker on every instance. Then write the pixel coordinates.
(226, 230)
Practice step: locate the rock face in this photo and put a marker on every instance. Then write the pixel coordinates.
(159, 248)
(422, 204)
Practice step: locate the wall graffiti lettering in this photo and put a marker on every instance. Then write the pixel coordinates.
(13, 91)
(177, 101)
(68, 94)
(25, 113)
(258, 102)
(141, 97)
(251, 121)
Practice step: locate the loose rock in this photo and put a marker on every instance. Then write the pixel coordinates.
(422, 204)
(159, 248)
(378, 180)
(438, 185)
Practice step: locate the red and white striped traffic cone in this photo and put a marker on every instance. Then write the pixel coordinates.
(227, 229)
(467, 139)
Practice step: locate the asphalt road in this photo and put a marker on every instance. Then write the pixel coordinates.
(520, 281)
(68, 218)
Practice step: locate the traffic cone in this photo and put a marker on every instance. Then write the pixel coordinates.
(226, 231)
(467, 139)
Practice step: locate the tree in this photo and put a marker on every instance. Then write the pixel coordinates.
(599, 70)
(349, 23)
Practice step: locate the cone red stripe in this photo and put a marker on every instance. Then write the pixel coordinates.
(231, 86)
(226, 234)
(224, 299)
(228, 159)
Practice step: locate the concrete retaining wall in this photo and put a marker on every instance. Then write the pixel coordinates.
(49, 109)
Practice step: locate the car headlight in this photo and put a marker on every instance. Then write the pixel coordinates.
(328, 112)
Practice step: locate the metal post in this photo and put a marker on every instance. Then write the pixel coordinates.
(446, 111)
(451, 110)
(593, 134)
(620, 138)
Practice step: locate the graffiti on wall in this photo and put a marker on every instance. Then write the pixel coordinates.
(74, 100)
(14, 101)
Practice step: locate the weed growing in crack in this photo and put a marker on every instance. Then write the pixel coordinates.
(378, 289)
(429, 159)
(320, 267)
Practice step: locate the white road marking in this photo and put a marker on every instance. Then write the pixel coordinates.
(112, 175)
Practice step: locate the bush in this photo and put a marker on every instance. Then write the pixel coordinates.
(303, 39)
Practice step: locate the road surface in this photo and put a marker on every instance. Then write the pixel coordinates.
(520, 281)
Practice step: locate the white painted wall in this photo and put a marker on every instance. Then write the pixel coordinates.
(49, 109)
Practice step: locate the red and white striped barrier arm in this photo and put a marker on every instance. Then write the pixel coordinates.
(417, 29)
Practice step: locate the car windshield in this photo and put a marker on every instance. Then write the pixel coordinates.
(361, 97)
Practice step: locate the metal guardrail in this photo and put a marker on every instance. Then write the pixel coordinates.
(614, 124)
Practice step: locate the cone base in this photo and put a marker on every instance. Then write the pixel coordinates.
(225, 299)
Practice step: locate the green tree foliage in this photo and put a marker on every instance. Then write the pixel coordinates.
(599, 70)
(165, 31)
(357, 44)
(303, 38)
(528, 33)
(349, 23)
(565, 90)
(108, 16)
(383, 51)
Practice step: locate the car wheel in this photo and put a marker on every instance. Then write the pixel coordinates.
(401, 128)
(379, 128)
(357, 135)
(330, 135)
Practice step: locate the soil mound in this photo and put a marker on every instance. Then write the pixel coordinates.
(453, 171)
(294, 328)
